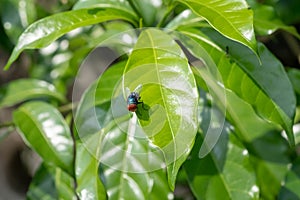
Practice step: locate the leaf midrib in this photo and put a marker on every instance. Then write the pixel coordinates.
(162, 94)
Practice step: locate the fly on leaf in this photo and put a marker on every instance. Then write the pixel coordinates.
(133, 98)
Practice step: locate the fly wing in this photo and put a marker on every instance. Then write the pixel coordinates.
(138, 89)
(127, 92)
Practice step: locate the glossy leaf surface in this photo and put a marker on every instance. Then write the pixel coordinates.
(93, 110)
(242, 73)
(16, 16)
(24, 89)
(185, 18)
(127, 173)
(89, 186)
(232, 19)
(169, 90)
(129, 163)
(43, 32)
(45, 130)
(226, 169)
(102, 3)
(65, 185)
(43, 185)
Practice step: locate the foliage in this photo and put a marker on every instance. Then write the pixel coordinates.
(217, 106)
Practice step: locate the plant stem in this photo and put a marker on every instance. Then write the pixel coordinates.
(67, 107)
(6, 132)
(6, 124)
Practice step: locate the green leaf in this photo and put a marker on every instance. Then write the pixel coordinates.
(44, 129)
(105, 127)
(114, 36)
(218, 175)
(267, 22)
(128, 172)
(43, 185)
(185, 18)
(102, 3)
(65, 184)
(232, 19)
(89, 185)
(25, 89)
(269, 156)
(16, 16)
(148, 10)
(43, 32)
(92, 113)
(160, 189)
(244, 75)
(294, 76)
(291, 187)
(169, 90)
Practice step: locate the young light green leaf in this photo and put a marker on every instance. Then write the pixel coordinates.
(24, 89)
(232, 19)
(45, 130)
(46, 30)
(169, 90)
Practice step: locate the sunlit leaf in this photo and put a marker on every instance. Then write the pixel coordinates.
(128, 172)
(92, 111)
(43, 32)
(169, 90)
(24, 89)
(65, 185)
(44, 129)
(232, 19)
(185, 18)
